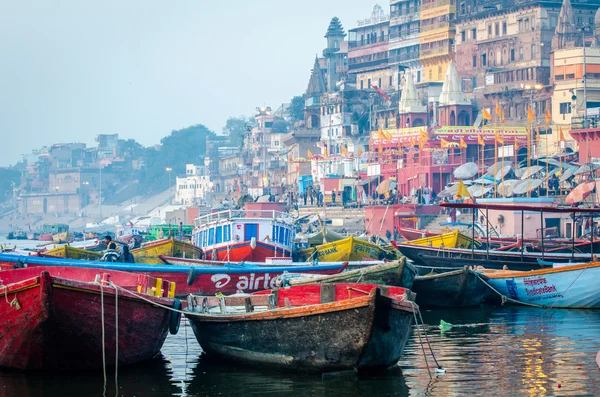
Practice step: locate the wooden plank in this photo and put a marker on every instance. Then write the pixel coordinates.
(327, 293)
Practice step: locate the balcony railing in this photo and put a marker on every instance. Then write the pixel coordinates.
(404, 35)
(400, 17)
(363, 43)
(404, 57)
(434, 51)
(435, 4)
(370, 64)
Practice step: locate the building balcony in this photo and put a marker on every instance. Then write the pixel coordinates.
(436, 4)
(411, 56)
(363, 43)
(409, 40)
(435, 26)
(432, 52)
(357, 67)
(399, 18)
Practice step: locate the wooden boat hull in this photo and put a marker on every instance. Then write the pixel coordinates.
(64, 237)
(238, 252)
(207, 280)
(365, 333)
(149, 253)
(45, 237)
(346, 250)
(414, 234)
(57, 325)
(398, 274)
(457, 288)
(71, 253)
(435, 257)
(449, 240)
(570, 286)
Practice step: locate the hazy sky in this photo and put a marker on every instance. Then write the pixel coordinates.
(70, 70)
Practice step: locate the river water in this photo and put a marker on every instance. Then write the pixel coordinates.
(505, 351)
(490, 351)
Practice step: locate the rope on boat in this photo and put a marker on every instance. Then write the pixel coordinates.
(102, 285)
(439, 368)
(116, 342)
(103, 341)
(505, 298)
(15, 302)
(570, 285)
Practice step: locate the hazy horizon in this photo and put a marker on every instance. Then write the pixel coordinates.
(73, 70)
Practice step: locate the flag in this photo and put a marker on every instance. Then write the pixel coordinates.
(380, 134)
(309, 154)
(561, 134)
(344, 150)
(503, 115)
(387, 135)
(499, 139)
(463, 144)
(530, 115)
(498, 110)
(412, 142)
(383, 95)
(379, 148)
(548, 116)
(462, 190)
(325, 153)
(444, 144)
(423, 138)
(359, 151)
(486, 115)
(480, 140)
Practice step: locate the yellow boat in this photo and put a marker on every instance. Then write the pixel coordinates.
(454, 239)
(73, 253)
(149, 253)
(348, 249)
(62, 238)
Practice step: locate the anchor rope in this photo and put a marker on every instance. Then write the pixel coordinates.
(504, 297)
(420, 340)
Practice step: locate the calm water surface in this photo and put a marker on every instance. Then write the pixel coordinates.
(502, 351)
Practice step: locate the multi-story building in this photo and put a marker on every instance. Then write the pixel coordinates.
(404, 42)
(336, 54)
(194, 186)
(436, 38)
(368, 53)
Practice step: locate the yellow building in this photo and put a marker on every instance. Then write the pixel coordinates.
(437, 37)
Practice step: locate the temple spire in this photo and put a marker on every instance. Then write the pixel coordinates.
(451, 93)
(409, 102)
(564, 35)
(316, 84)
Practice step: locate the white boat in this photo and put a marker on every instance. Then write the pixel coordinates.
(572, 286)
(244, 235)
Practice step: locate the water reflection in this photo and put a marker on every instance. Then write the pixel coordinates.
(504, 351)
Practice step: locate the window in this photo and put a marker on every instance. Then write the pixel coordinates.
(553, 21)
(362, 84)
(463, 36)
(533, 54)
(565, 108)
(439, 72)
(211, 236)
(219, 234)
(474, 61)
(504, 28)
(474, 33)
(512, 54)
(474, 83)
(418, 76)
(483, 60)
(391, 81)
(489, 30)
(497, 30)
(369, 83)
(379, 86)
(430, 75)
(520, 53)
(526, 23)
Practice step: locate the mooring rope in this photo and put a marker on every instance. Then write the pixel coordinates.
(103, 342)
(116, 342)
(420, 340)
(505, 298)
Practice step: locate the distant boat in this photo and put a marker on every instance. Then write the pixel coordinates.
(322, 327)
(52, 319)
(189, 279)
(63, 237)
(455, 288)
(570, 286)
(453, 239)
(69, 252)
(348, 249)
(414, 234)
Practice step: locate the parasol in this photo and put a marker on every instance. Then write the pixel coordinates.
(449, 192)
(475, 190)
(524, 186)
(589, 167)
(386, 186)
(519, 172)
(505, 188)
(502, 172)
(580, 193)
(531, 171)
(566, 175)
(466, 171)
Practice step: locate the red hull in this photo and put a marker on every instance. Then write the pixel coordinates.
(244, 252)
(57, 324)
(415, 234)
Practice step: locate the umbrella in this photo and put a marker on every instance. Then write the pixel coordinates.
(589, 167)
(566, 175)
(579, 194)
(449, 192)
(466, 171)
(531, 170)
(386, 186)
(502, 172)
(475, 190)
(492, 169)
(505, 188)
(526, 185)
(519, 172)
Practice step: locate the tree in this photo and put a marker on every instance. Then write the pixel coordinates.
(297, 108)
(131, 148)
(236, 128)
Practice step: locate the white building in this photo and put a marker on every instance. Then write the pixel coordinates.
(192, 189)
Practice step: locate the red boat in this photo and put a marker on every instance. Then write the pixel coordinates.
(415, 234)
(206, 280)
(314, 327)
(52, 318)
(244, 235)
